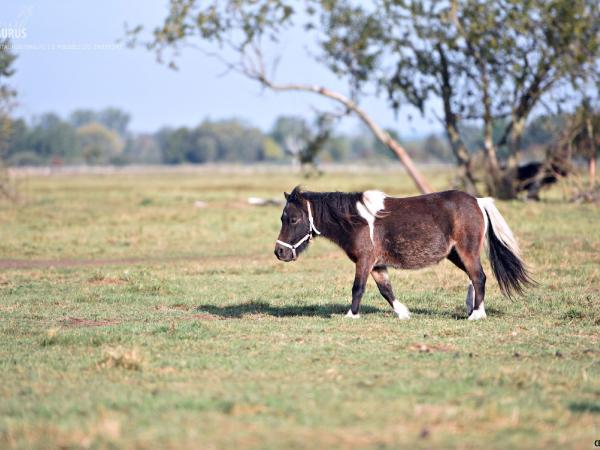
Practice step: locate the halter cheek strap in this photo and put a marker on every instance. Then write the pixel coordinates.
(308, 235)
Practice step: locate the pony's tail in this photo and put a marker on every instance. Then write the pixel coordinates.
(503, 251)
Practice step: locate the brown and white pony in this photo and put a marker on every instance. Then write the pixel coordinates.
(377, 231)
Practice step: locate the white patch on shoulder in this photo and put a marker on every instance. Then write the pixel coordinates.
(352, 316)
(478, 314)
(372, 203)
(401, 310)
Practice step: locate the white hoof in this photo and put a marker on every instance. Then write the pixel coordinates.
(352, 316)
(401, 310)
(478, 314)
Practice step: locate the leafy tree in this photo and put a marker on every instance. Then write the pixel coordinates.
(7, 94)
(272, 150)
(112, 118)
(99, 144)
(173, 144)
(205, 150)
(484, 60)
(235, 140)
(81, 117)
(50, 136)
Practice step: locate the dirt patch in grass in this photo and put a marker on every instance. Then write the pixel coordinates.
(203, 316)
(72, 322)
(430, 348)
(105, 281)
(119, 357)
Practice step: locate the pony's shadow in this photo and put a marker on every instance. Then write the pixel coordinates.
(326, 310)
(453, 314)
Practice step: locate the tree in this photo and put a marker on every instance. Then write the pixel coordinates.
(173, 144)
(50, 136)
(272, 150)
(302, 141)
(291, 133)
(234, 140)
(205, 150)
(484, 60)
(242, 26)
(7, 94)
(584, 136)
(112, 118)
(98, 144)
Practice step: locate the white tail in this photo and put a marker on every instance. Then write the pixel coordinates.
(501, 228)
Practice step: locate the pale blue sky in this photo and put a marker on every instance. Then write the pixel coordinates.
(53, 78)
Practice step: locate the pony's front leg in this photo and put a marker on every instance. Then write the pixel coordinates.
(381, 277)
(358, 288)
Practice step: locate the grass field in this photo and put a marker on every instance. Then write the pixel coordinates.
(166, 325)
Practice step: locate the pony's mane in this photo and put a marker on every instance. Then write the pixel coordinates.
(331, 208)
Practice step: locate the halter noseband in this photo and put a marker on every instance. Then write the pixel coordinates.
(308, 236)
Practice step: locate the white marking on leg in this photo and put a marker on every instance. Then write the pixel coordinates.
(372, 203)
(401, 310)
(352, 316)
(470, 301)
(479, 313)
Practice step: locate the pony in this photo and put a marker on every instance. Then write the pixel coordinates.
(377, 231)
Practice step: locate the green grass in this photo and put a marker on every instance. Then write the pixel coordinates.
(186, 332)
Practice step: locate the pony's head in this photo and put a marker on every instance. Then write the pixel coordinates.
(297, 227)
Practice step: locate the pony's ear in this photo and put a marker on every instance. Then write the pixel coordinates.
(286, 195)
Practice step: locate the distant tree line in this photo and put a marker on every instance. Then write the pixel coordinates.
(103, 137)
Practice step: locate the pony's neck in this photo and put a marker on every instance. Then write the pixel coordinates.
(328, 209)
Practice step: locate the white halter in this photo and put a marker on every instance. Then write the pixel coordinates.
(308, 236)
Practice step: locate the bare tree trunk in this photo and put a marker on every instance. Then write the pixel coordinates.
(463, 159)
(493, 169)
(507, 185)
(382, 135)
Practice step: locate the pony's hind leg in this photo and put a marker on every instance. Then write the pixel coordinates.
(381, 277)
(469, 301)
(471, 264)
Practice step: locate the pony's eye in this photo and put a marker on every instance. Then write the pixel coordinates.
(295, 220)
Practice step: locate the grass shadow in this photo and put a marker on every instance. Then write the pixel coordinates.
(453, 313)
(313, 310)
(326, 310)
(585, 407)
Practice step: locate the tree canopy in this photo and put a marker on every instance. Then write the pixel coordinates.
(492, 63)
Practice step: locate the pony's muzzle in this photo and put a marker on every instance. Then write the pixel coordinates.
(283, 254)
